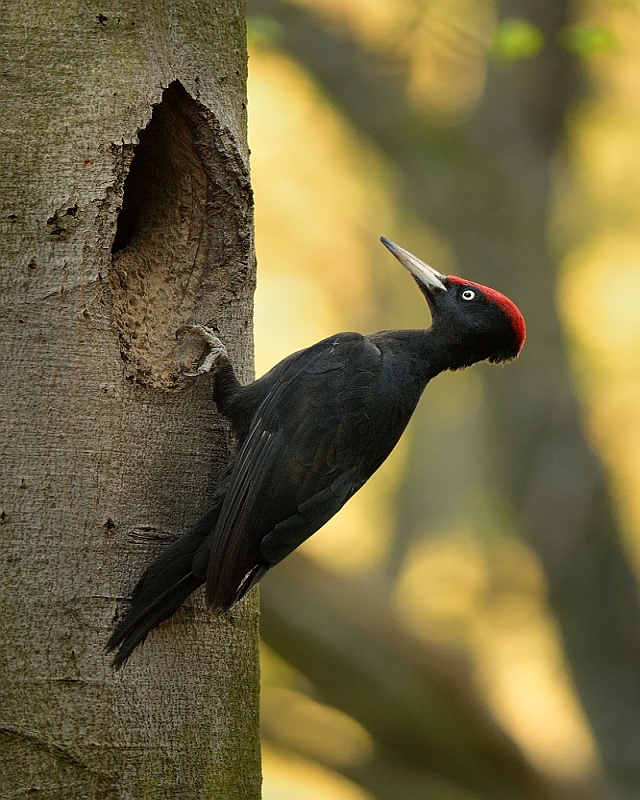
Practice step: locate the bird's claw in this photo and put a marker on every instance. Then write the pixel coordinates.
(216, 348)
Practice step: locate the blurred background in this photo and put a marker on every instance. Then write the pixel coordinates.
(468, 627)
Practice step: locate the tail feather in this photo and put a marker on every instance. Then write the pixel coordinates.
(138, 622)
(162, 589)
(223, 596)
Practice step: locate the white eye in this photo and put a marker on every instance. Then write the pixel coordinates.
(468, 294)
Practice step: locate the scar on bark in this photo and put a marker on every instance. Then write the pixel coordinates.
(182, 244)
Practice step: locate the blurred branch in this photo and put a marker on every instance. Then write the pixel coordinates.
(418, 703)
(383, 777)
(371, 93)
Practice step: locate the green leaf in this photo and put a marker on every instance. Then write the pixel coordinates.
(587, 40)
(516, 39)
(263, 31)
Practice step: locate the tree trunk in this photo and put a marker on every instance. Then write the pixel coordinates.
(126, 212)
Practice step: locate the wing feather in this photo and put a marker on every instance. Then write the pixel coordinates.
(309, 448)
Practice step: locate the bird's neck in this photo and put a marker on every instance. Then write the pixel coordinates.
(422, 352)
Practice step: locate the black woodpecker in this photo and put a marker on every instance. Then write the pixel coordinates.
(309, 434)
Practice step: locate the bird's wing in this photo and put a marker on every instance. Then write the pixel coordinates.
(308, 450)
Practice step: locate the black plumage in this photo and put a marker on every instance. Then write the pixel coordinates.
(310, 433)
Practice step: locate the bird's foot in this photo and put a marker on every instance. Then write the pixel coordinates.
(216, 348)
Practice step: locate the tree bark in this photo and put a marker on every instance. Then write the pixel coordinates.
(126, 212)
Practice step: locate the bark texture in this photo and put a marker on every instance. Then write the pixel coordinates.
(126, 212)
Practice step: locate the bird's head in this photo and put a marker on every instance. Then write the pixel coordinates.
(475, 322)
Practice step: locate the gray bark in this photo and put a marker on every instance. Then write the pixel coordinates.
(106, 450)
